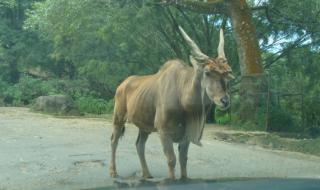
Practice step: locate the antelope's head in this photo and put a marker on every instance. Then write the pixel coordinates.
(215, 72)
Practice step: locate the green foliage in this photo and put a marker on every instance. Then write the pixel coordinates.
(29, 88)
(105, 42)
(25, 91)
(94, 105)
(281, 121)
(278, 119)
(273, 141)
(312, 116)
(222, 117)
(32, 88)
(245, 126)
(297, 74)
(3, 87)
(19, 48)
(256, 124)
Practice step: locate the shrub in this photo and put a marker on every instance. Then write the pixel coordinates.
(32, 88)
(312, 117)
(25, 91)
(222, 117)
(281, 121)
(74, 88)
(110, 106)
(12, 96)
(29, 88)
(93, 105)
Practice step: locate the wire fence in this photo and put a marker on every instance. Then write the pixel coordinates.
(271, 106)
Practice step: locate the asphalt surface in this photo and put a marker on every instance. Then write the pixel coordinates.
(44, 152)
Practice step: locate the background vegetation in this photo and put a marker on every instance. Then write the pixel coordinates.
(84, 49)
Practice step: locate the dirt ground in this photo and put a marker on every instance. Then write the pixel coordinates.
(44, 152)
(277, 141)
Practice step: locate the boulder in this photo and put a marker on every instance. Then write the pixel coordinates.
(56, 104)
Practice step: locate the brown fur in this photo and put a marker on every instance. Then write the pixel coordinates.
(219, 65)
(148, 100)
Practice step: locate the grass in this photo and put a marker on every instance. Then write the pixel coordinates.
(272, 141)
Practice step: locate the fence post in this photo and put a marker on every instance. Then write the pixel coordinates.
(268, 99)
(302, 106)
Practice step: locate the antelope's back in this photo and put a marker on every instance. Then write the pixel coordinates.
(136, 97)
(140, 96)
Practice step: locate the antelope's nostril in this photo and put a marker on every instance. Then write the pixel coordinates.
(225, 101)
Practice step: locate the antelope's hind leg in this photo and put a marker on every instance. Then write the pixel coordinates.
(118, 130)
(116, 134)
(140, 144)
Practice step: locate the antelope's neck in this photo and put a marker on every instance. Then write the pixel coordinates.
(196, 87)
(192, 98)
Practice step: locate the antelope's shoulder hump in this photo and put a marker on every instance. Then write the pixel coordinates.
(175, 63)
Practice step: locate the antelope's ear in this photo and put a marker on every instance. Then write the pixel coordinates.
(193, 61)
(196, 63)
(230, 77)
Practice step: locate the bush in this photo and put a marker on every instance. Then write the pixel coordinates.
(12, 96)
(94, 105)
(278, 121)
(110, 106)
(222, 117)
(257, 123)
(281, 121)
(73, 88)
(32, 88)
(24, 92)
(29, 88)
(312, 116)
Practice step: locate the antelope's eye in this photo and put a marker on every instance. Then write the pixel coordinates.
(223, 84)
(207, 73)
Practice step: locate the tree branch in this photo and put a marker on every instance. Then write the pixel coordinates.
(170, 41)
(284, 52)
(208, 35)
(209, 7)
(191, 24)
(266, 9)
(258, 8)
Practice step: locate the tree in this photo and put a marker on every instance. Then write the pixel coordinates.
(105, 41)
(18, 48)
(252, 82)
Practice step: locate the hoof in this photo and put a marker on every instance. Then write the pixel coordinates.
(184, 178)
(147, 176)
(167, 181)
(170, 179)
(113, 174)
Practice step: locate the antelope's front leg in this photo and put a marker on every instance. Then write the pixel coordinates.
(183, 157)
(168, 150)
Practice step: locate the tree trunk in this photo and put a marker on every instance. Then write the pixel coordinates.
(253, 82)
(245, 36)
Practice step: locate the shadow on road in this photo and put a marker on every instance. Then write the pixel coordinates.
(212, 184)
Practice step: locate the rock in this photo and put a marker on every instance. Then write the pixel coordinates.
(56, 104)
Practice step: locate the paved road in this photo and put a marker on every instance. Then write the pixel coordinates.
(43, 152)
